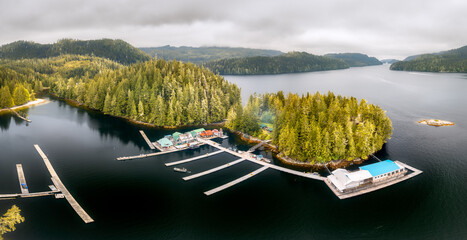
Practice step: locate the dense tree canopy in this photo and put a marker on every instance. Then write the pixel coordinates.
(355, 59)
(450, 61)
(9, 220)
(205, 54)
(292, 62)
(316, 127)
(116, 50)
(158, 92)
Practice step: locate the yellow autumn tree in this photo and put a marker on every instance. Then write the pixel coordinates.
(9, 220)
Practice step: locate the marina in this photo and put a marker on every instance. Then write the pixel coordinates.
(344, 184)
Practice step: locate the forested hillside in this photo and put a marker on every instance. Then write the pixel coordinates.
(116, 50)
(316, 127)
(450, 61)
(205, 54)
(157, 92)
(292, 62)
(355, 59)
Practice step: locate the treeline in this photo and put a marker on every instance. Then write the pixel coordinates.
(292, 62)
(15, 88)
(316, 127)
(355, 59)
(205, 54)
(450, 61)
(116, 50)
(158, 92)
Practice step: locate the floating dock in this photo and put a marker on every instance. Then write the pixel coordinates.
(248, 157)
(27, 195)
(258, 145)
(230, 184)
(213, 170)
(375, 187)
(193, 159)
(60, 186)
(22, 180)
(147, 139)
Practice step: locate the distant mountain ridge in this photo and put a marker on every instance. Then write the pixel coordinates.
(205, 54)
(355, 59)
(292, 62)
(116, 50)
(454, 60)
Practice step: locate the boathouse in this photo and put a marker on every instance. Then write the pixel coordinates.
(344, 180)
(165, 143)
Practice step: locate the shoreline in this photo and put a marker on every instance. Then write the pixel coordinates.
(332, 165)
(75, 103)
(38, 101)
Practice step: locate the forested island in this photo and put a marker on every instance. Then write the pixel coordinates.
(314, 128)
(293, 62)
(355, 59)
(116, 50)
(449, 61)
(199, 55)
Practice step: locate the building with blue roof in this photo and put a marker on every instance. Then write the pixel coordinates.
(380, 168)
(344, 180)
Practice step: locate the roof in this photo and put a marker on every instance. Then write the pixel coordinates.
(176, 135)
(208, 132)
(380, 168)
(359, 175)
(165, 142)
(199, 130)
(193, 133)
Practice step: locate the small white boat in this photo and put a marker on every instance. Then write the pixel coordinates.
(52, 187)
(265, 160)
(183, 170)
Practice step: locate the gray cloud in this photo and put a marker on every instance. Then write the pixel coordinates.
(383, 29)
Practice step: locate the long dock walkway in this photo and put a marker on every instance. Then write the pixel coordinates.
(27, 195)
(213, 169)
(340, 195)
(248, 157)
(236, 181)
(147, 139)
(22, 180)
(258, 145)
(58, 183)
(193, 159)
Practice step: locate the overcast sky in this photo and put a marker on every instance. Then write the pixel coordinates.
(380, 28)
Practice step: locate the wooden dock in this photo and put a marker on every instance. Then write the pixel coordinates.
(340, 195)
(22, 180)
(234, 182)
(193, 159)
(213, 169)
(60, 186)
(27, 195)
(19, 116)
(248, 157)
(258, 145)
(147, 139)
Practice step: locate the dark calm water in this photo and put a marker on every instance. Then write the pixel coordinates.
(143, 199)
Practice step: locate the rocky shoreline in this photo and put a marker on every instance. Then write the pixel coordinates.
(334, 164)
(436, 122)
